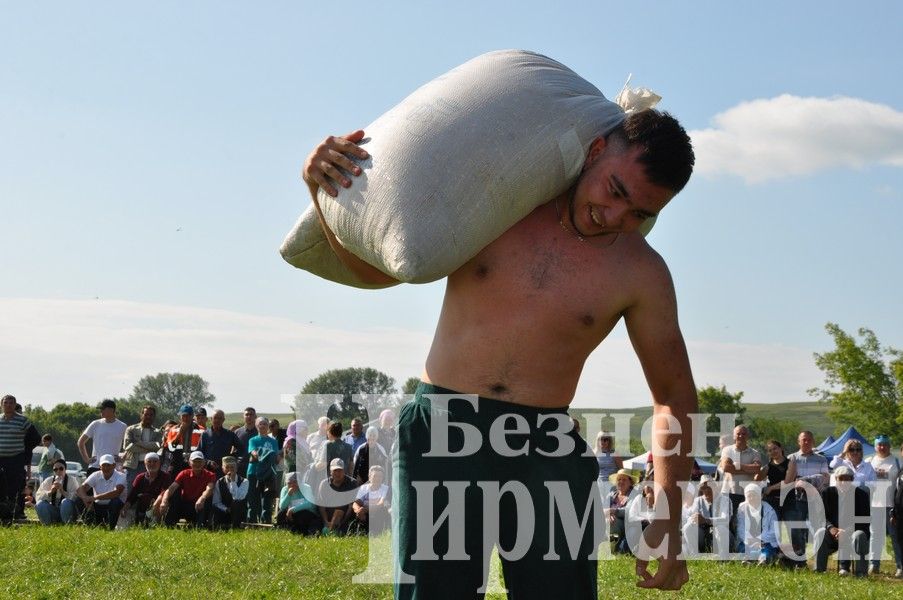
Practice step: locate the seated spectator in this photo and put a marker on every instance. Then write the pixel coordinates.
(57, 495)
(263, 455)
(370, 453)
(757, 528)
(187, 497)
(371, 507)
(147, 492)
(108, 489)
(616, 506)
(840, 531)
(334, 502)
(296, 508)
(851, 457)
(230, 496)
(708, 527)
(640, 513)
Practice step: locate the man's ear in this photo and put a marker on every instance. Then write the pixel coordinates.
(595, 151)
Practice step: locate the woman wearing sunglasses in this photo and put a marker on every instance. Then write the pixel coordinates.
(55, 499)
(851, 457)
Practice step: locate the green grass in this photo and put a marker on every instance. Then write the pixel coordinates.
(80, 562)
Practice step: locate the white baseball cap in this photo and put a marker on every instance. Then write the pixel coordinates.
(107, 459)
(197, 455)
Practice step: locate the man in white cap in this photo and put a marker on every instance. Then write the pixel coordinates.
(188, 495)
(846, 524)
(335, 497)
(147, 490)
(108, 488)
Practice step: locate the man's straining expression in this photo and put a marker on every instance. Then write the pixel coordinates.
(613, 193)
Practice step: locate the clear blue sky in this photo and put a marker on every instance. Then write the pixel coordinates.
(150, 159)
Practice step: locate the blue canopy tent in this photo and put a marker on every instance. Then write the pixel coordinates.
(827, 442)
(835, 448)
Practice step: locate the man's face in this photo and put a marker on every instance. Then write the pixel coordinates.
(707, 492)
(805, 442)
(218, 419)
(9, 407)
(356, 428)
(613, 193)
(197, 465)
(108, 413)
(250, 417)
(741, 436)
(376, 479)
(46, 443)
(229, 468)
(147, 416)
(202, 420)
(107, 470)
(883, 448)
(337, 475)
(152, 465)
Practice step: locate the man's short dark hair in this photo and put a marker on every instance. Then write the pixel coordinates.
(335, 429)
(667, 153)
(46, 438)
(251, 409)
(9, 397)
(108, 404)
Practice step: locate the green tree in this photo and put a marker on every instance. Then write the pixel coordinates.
(713, 401)
(864, 383)
(169, 391)
(410, 385)
(330, 394)
(762, 429)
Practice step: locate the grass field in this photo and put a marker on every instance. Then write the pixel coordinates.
(80, 562)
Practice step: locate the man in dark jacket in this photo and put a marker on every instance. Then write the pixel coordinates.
(847, 515)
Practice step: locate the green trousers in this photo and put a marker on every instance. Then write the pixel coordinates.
(552, 563)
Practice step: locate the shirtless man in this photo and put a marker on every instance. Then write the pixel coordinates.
(517, 324)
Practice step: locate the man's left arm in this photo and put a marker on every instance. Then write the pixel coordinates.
(655, 334)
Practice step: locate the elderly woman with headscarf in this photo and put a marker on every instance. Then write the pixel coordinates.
(757, 527)
(371, 453)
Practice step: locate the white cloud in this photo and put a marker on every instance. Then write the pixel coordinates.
(72, 350)
(789, 135)
(65, 351)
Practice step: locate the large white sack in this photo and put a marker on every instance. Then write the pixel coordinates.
(457, 163)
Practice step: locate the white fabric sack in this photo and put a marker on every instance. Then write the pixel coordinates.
(457, 163)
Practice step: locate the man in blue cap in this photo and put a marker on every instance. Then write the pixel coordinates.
(181, 440)
(887, 468)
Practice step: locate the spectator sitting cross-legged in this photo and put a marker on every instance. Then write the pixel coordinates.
(334, 500)
(757, 527)
(188, 495)
(56, 496)
(297, 510)
(108, 487)
(846, 523)
(371, 507)
(230, 496)
(148, 490)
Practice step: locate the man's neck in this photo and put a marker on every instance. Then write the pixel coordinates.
(110, 420)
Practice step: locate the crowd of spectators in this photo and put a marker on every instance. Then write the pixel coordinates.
(773, 509)
(328, 482)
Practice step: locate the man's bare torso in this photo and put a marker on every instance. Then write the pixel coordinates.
(520, 319)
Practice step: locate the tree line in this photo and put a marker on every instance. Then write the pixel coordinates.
(863, 388)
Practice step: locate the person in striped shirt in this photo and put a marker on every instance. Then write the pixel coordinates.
(13, 427)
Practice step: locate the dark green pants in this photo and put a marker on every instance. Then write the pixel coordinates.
(535, 574)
